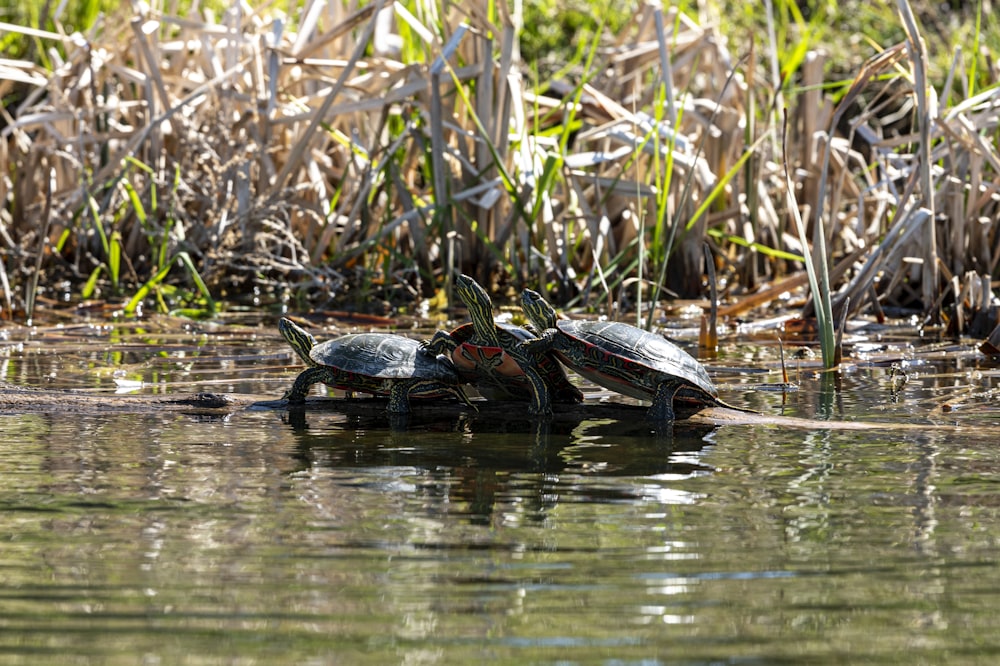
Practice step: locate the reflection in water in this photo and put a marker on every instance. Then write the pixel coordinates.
(483, 466)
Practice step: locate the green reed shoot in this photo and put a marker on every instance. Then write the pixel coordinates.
(155, 286)
(816, 267)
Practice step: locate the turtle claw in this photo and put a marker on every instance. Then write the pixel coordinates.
(540, 411)
(464, 399)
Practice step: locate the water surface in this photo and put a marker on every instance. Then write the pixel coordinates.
(273, 537)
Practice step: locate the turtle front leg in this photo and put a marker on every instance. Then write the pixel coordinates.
(399, 397)
(663, 400)
(529, 353)
(305, 380)
(541, 345)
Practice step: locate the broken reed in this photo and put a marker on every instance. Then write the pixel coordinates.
(343, 155)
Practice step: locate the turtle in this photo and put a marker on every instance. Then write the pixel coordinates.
(623, 358)
(490, 356)
(381, 364)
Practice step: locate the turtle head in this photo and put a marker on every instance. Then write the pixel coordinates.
(298, 338)
(538, 311)
(479, 304)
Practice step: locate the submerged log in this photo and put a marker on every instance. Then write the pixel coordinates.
(21, 399)
(15, 398)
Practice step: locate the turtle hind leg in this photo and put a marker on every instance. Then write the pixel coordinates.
(305, 380)
(663, 400)
(401, 392)
(459, 393)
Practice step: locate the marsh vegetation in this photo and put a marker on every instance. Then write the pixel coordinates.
(329, 155)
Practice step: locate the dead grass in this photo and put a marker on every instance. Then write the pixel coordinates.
(341, 156)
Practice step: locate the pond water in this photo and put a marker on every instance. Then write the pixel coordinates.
(266, 537)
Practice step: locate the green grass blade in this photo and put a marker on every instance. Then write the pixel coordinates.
(66, 234)
(115, 258)
(144, 290)
(553, 163)
(760, 248)
(95, 216)
(185, 259)
(720, 187)
(820, 287)
(129, 159)
(90, 286)
(133, 197)
(974, 59)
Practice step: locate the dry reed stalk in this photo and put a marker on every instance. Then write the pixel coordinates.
(926, 114)
(387, 147)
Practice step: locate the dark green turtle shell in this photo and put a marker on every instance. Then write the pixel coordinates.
(630, 360)
(382, 356)
(376, 363)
